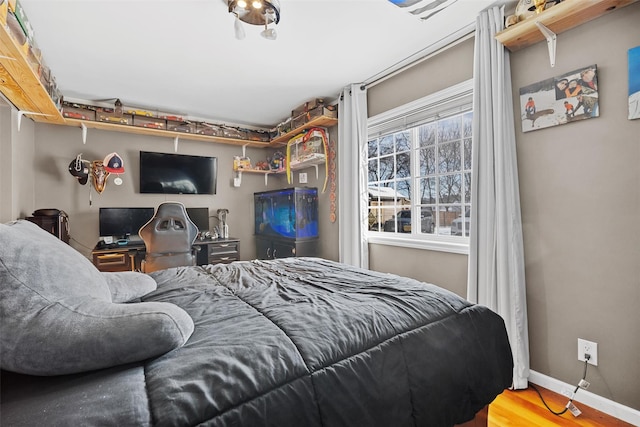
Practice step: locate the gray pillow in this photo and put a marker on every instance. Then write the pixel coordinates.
(129, 285)
(57, 315)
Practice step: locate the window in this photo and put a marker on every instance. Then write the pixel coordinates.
(419, 170)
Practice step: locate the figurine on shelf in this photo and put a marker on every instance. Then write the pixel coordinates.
(528, 8)
(262, 165)
(277, 161)
(240, 163)
(117, 112)
(524, 9)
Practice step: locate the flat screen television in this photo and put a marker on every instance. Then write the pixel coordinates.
(165, 173)
(123, 222)
(200, 217)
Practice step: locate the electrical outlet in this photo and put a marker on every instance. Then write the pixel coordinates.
(590, 348)
(303, 177)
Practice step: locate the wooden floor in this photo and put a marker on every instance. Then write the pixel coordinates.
(524, 408)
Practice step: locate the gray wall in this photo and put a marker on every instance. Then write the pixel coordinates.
(39, 178)
(453, 65)
(17, 181)
(441, 268)
(580, 197)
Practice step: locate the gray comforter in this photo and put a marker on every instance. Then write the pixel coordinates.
(290, 342)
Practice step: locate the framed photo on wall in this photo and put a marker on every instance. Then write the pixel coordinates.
(567, 98)
(634, 83)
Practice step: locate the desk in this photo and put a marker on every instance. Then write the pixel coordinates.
(129, 257)
(218, 251)
(118, 258)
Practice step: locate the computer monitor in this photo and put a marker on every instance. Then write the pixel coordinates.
(200, 217)
(122, 223)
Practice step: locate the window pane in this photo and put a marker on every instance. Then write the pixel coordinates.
(374, 195)
(400, 222)
(467, 120)
(467, 219)
(373, 148)
(388, 219)
(403, 141)
(428, 190)
(467, 153)
(404, 191)
(388, 194)
(427, 161)
(427, 134)
(375, 219)
(449, 157)
(450, 188)
(386, 145)
(386, 168)
(427, 220)
(373, 171)
(460, 225)
(403, 163)
(467, 188)
(449, 129)
(448, 216)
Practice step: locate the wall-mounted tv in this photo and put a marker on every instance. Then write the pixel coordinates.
(165, 173)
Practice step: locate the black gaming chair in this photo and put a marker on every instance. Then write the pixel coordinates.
(168, 238)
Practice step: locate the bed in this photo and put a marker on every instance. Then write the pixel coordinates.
(287, 342)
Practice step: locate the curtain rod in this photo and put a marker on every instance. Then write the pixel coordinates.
(428, 52)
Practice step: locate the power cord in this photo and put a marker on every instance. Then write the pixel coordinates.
(583, 383)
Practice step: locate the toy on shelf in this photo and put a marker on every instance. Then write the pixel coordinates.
(262, 165)
(138, 112)
(307, 148)
(241, 163)
(277, 162)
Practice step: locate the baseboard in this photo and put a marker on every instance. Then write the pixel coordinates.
(594, 401)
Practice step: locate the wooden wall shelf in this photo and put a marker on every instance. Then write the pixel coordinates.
(321, 121)
(277, 142)
(559, 18)
(163, 133)
(21, 85)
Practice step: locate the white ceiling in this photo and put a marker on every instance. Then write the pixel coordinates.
(181, 55)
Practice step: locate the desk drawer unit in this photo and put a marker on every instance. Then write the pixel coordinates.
(223, 252)
(113, 261)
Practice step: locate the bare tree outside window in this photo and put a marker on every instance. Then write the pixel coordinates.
(422, 172)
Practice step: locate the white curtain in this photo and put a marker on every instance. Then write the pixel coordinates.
(496, 255)
(352, 176)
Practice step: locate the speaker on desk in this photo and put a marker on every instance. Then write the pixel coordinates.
(54, 221)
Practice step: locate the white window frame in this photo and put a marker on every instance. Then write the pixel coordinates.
(457, 98)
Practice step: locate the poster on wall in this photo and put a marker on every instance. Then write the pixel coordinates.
(634, 83)
(567, 98)
(423, 9)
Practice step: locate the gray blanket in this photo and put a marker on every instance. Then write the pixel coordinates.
(291, 342)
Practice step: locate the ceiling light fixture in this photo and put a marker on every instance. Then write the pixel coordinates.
(259, 12)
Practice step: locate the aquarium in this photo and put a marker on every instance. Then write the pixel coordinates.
(290, 213)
